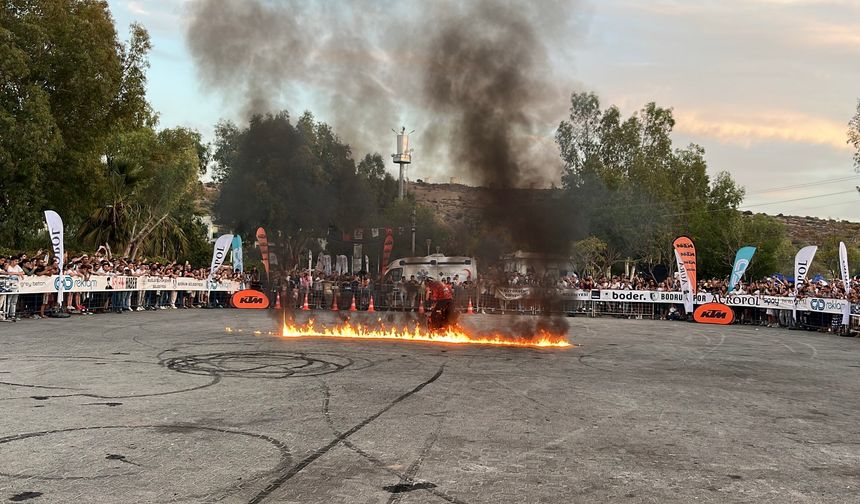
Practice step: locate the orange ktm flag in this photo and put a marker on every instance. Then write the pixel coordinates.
(687, 250)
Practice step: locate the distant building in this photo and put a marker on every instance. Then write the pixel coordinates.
(537, 263)
(212, 230)
(205, 202)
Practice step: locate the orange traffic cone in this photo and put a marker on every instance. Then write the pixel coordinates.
(469, 309)
(352, 306)
(370, 306)
(278, 301)
(305, 306)
(334, 303)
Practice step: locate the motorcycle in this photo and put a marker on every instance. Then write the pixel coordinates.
(441, 315)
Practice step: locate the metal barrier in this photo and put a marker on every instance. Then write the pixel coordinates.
(41, 305)
(330, 296)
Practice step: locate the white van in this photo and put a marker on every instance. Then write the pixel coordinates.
(435, 265)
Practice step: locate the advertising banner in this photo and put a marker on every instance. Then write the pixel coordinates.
(9, 283)
(685, 248)
(802, 262)
(55, 230)
(686, 286)
(742, 262)
(342, 265)
(356, 257)
(387, 247)
(846, 279)
(222, 244)
(238, 264)
(821, 305)
(574, 295)
(714, 313)
(264, 248)
(50, 284)
(69, 283)
(513, 293)
(249, 299)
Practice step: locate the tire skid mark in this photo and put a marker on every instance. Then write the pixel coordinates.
(525, 396)
(283, 478)
(285, 456)
(370, 457)
(788, 347)
(581, 358)
(718, 345)
(408, 478)
(27, 385)
(814, 350)
(215, 380)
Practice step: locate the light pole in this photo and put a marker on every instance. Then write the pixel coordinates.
(428, 241)
(413, 231)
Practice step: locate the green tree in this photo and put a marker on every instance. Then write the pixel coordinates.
(66, 85)
(773, 248)
(589, 256)
(151, 181)
(297, 180)
(398, 214)
(635, 191)
(713, 222)
(827, 256)
(372, 170)
(225, 149)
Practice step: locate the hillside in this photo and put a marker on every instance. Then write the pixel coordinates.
(457, 204)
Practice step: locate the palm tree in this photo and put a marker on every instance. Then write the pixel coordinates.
(109, 223)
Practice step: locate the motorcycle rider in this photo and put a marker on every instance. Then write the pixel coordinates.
(442, 310)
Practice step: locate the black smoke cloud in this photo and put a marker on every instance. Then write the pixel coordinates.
(473, 78)
(476, 76)
(488, 73)
(263, 55)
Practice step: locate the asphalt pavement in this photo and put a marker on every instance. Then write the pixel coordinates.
(170, 407)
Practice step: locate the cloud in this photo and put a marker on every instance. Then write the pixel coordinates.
(162, 15)
(836, 35)
(764, 126)
(136, 8)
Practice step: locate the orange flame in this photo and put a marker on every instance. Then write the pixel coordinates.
(456, 335)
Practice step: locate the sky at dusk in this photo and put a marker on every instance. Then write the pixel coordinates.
(767, 87)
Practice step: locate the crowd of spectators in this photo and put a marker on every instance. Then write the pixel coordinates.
(771, 286)
(327, 291)
(102, 263)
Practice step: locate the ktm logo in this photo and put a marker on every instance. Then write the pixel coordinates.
(250, 299)
(714, 313)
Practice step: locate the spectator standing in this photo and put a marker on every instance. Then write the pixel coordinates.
(2, 294)
(15, 270)
(411, 292)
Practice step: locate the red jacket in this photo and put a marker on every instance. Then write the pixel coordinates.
(439, 291)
